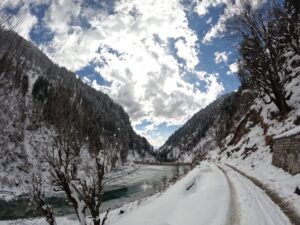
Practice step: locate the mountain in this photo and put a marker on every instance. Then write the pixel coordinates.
(241, 126)
(40, 100)
(208, 127)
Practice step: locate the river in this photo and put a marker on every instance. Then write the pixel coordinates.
(144, 182)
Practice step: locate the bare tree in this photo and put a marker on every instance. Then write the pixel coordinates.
(93, 165)
(79, 170)
(39, 198)
(289, 17)
(61, 159)
(7, 18)
(2, 16)
(264, 42)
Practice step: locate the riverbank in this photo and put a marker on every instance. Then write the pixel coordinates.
(148, 172)
(144, 182)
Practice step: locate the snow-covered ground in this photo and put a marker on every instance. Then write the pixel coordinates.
(258, 162)
(259, 165)
(196, 199)
(253, 205)
(205, 196)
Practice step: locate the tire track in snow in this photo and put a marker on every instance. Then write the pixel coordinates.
(282, 203)
(255, 205)
(234, 210)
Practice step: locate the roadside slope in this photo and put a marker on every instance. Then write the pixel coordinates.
(202, 197)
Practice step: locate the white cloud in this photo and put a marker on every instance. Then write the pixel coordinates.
(132, 48)
(221, 57)
(156, 141)
(233, 68)
(187, 52)
(209, 20)
(153, 136)
(202, 7)
(232, 8)
(73, 45)
(229, 11)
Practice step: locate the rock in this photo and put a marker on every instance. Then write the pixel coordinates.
(297, 191)
(121, 212)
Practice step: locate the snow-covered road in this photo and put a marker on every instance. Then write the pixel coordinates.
(253, 205)
(209, 195)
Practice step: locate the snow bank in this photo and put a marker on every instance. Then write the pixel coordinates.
(291, 132)
(202, 197)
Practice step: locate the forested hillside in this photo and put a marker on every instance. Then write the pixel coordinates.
(43, 106)
(211, 125)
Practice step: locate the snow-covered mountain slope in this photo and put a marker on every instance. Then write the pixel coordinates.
(207, 128)
(38, 100)
(250, 147)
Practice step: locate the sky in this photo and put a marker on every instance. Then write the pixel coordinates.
(162, 60)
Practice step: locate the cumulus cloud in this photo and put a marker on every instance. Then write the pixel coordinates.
(187, 52)
(203, 6)
(153, 135)
(221, 57)
(233, 68)
(144, 49)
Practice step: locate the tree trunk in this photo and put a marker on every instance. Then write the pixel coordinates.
(285, 109)
(282, 105)
(95, 215)
(96, 221)
(48, 213)
(51, 220)
(80, 213)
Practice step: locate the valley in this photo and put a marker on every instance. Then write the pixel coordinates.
(149, 112)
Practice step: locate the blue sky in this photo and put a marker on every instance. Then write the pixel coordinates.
(161, 60)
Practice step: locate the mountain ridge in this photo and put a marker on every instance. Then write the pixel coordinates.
(200, 125)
